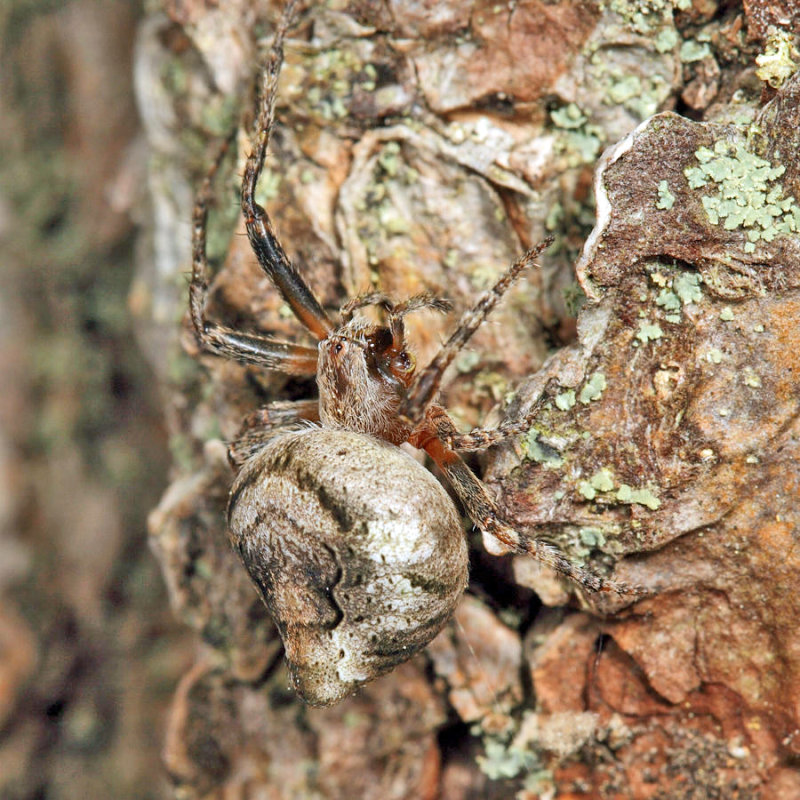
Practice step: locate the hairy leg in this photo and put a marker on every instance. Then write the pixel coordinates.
(427, 382)
(271, 255)
(483, 511)
(247, 348)
(481, 438)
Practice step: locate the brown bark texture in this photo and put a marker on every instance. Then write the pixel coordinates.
(89, 652)
(423, 146)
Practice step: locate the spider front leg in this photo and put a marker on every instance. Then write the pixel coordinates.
(427, 383)
(271, 255)
(481, 438)
(247, 348)
(431, 437)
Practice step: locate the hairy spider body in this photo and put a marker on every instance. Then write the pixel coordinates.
(363, 378)
(355, 548)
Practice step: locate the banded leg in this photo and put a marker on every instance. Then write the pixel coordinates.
(271, 255)
(427, 382)
(247, 348)
(482, 438)
(483, 511)
(260, 427)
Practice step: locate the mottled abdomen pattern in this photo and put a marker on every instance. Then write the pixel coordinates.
(356, 549)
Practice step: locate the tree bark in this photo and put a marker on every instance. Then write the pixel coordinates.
(89, 652)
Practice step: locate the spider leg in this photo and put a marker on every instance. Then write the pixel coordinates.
(483, 438)
(363, 300)
(271, 255)
(483, 511)
(248, 348)
(259, 351)
(260, 427)
(427, 382)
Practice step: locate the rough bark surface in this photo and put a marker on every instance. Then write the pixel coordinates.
(89, 652)
(423, 146)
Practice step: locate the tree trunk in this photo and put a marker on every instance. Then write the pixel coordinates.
(423, 146)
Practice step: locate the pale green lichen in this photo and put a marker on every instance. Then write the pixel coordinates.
(602, 480)
(648, 332)
(593, 388)
(334, 74)
(578, 139)
(537, 451)
(677, 289)
(642, 497)
(624, 88)
(668, 300)
(726, 315)
(666, 40)
(505, 761)
(592, 537)
(644, 16)
(569, 117)
(565, 400)
(687, 286)
(665, 197)
(746, 192)
(714, 356)
(780, 59)
(641, 95)
(692, 50)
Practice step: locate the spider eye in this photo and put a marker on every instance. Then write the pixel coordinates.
(405, 362)
(338, 347)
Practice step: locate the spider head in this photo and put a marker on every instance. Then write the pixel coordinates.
(363, 373)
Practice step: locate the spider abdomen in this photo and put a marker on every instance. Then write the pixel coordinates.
(356, 549)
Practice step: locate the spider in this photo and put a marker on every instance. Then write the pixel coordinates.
(371, 400)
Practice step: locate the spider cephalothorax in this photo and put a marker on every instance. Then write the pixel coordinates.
(362, 377)
(356, 549)
(364, 371)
